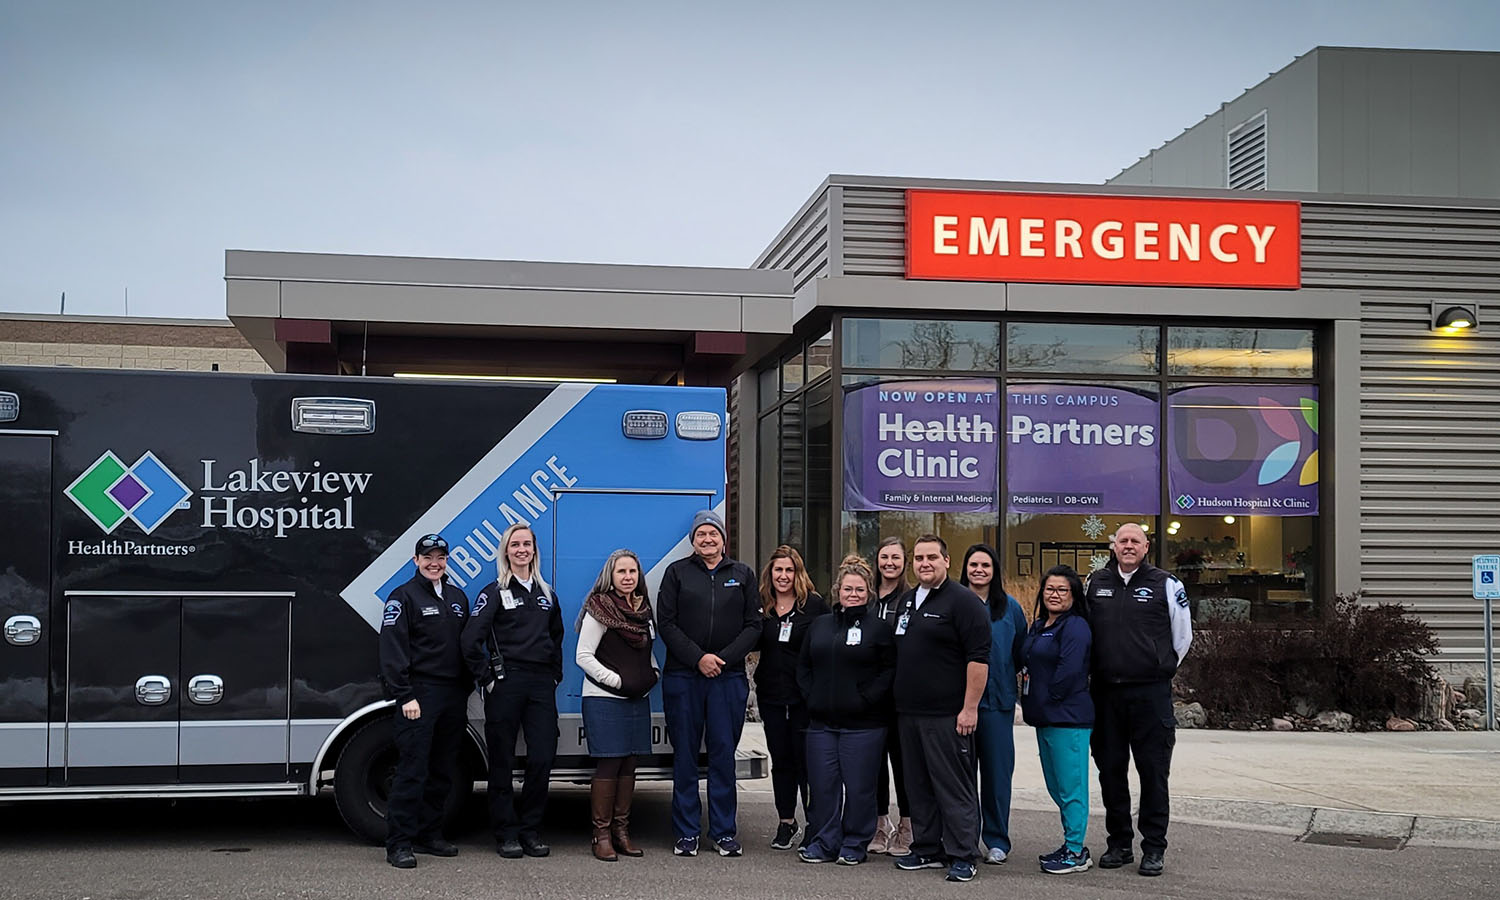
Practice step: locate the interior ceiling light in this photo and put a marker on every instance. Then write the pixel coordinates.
(545, 379)
(1453, 318)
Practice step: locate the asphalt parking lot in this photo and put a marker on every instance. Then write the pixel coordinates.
(298, 848)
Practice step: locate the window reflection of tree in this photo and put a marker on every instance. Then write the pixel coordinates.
(936, 345)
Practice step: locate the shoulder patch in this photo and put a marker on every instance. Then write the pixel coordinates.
(392, 613)
(1182, 599)
(481, 601)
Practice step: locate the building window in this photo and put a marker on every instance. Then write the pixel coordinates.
(935, 345)
(1082, 349)
(1240, 352)
(1258, 568)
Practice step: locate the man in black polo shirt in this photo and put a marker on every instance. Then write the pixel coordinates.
(942, 663)
(1142, 630)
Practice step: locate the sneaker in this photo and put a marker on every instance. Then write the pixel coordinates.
(849, 858)
(913, 861)
(1115, 857)
(786, 835)
(808, 856)
(995, 856)
(728, 846)
(685, 847)
(885, 829)
(1060, 851)
(961, 870)
(1151, 863)
(1068, 862)
(900, 843)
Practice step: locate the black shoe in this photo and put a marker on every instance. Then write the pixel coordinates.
(1151, 863)
(434, 847)
(532, 845)
(510, 848)
(1115, 857)
(786, 835)
(401, 858)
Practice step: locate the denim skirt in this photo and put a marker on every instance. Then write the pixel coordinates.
(615, 726)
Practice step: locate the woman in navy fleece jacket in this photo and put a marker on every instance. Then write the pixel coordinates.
(1055, 700)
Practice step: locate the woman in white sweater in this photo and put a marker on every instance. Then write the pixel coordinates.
(615, 636)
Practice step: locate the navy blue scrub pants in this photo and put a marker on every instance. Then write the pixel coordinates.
(843, 765)
(707, 712)
(427, 762)
(525, 704)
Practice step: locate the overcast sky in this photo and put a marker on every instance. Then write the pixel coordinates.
(139, 140)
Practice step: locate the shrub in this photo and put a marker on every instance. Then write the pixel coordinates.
(1367, 660)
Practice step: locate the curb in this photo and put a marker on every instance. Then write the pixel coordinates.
(1288, 818)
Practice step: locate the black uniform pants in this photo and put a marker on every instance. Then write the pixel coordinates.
(1134, 720)
(941, 785)
(786, 739)
(523, 704)
(426, 764)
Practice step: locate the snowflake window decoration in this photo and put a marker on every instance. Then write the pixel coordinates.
(1098, 561)
(1093, 526)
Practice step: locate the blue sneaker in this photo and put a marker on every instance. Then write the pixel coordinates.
(728, 846)
(1060, 851)
(685, 847)
(1068, 862)
(913, 861)
(961, 870)
(850, 858)
(807, 856)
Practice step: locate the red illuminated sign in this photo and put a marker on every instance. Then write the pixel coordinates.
(1093, 239)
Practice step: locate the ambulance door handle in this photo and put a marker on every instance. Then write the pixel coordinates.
(22, 631)
(205, 690)
(153, 690)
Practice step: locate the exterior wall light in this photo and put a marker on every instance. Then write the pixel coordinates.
(1454, 318)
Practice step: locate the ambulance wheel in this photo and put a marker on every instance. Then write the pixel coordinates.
(362, 781)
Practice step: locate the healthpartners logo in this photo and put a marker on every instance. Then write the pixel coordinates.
(146, 492)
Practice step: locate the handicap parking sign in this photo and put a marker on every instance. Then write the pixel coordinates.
(1487, 577)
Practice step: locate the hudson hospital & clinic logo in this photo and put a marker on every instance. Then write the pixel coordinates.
(145, 492)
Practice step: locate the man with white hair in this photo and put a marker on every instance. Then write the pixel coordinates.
(1142, 630)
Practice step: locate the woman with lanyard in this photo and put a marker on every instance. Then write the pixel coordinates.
(788, 604)
(614, 652)
(513, 645)
(893, 837)
(1055, 701)
(996, 744)
(846, 669)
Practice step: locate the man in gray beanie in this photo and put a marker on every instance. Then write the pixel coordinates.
(708, 613)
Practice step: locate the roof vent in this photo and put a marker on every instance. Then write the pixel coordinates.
(1246, 150)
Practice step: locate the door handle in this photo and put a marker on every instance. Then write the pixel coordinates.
(205, 690)
(23, 630)
(153, 690)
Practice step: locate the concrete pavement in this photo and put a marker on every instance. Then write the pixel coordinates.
(1419, 788)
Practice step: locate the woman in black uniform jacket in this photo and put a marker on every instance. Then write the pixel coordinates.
(788, 604)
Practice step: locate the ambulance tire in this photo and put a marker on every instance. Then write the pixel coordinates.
(362, 781)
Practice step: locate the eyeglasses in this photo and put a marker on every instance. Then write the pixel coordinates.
(1057, 591)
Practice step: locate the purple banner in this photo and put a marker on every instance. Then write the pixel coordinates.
(1244, 448)
(922, 445)
(1074, 448)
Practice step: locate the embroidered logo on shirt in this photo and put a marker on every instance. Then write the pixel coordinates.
(392, 613)
(457, 610)
(544, 602)
(1182, 599)
(733, 582)
(1142, 594)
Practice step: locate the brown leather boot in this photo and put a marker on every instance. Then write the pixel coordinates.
(601, 808)
(620, 826)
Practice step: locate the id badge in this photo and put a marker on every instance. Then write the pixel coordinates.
(1025, 683)
(785, 634)
(508, 600)
(852, 637)
(902, 622)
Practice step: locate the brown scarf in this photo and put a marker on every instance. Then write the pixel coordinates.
(616, 612)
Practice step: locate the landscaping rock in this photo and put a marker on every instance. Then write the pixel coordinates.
(1396, 723)
(1190, 715)
(1281, 725)
(1443, 725)
(1432, 700)
(1474, 691)
(1470, 719)
(1304, 707)
(1333, 720)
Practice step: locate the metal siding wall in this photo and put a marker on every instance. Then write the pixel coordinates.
(1430, 404)
(1429, 451)
(803, 247)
